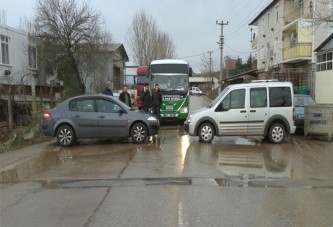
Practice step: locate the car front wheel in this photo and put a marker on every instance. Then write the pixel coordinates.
(277, 133)
(139, 133)
(65, 136)
(206, 133)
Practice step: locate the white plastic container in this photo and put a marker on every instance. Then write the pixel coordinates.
(318, 120)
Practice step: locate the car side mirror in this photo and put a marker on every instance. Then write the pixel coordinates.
(121, 111)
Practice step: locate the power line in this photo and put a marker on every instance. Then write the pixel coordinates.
(196, 55)
(240, 52)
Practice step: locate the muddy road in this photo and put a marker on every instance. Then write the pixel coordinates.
(173, 180)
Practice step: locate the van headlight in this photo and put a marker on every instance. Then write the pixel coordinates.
(152, 118)
(183, 110)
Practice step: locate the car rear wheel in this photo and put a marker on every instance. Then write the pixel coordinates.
(277, 133)
(139, 133)
(206, 133)
(65, 136)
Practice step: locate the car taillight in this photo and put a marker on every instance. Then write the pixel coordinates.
(47, 115)
(294, 114)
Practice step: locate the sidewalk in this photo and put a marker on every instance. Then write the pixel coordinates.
(10, 159)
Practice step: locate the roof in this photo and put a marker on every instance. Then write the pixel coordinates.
(329, 38)
(113, 47)
(263, 11)
(253, 73)
(266, 83)
(169, 61)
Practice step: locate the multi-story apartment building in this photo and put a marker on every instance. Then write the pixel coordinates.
(287, 34)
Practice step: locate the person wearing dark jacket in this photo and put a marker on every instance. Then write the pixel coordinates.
(125, 96)
(157, 101)
(107, 90)
(145, 97)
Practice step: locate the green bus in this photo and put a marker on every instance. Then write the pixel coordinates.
(172, 76)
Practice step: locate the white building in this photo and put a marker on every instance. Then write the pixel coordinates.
(324, 71)
(285, 39)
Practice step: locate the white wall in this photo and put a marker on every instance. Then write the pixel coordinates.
(272, 32)
(323, 88)
(18, 57)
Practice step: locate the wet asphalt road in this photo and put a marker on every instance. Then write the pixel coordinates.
(173, 181)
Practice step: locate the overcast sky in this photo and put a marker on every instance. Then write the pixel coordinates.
(191, 23)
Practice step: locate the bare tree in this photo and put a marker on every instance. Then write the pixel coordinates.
(146, 40)
(323, 12)
(207, 62)
(72, 27)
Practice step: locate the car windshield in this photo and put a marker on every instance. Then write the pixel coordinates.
(301, 101)
(218, 98)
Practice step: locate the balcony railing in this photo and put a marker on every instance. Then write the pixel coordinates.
(298, 51)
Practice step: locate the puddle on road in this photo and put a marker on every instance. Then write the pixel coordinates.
(183, 181)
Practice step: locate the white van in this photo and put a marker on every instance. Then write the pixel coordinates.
(195, 91)
(263, 108)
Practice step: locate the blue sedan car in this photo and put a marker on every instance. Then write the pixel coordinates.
(97, 116)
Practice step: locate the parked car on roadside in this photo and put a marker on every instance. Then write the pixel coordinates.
(97, 116)
(263, 108)
(195, 91)
(300, 101)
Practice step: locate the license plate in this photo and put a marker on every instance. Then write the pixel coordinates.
(169, 115)
(169, 107)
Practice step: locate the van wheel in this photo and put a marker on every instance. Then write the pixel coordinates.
(65, 136)
(277, 133)
(206, 133)
(139, 133)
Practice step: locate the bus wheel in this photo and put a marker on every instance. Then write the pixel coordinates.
(206, 133)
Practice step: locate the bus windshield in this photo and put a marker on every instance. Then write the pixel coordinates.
(175, 82)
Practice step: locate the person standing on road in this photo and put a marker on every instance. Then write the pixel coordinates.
(157, 101)
(145, 97)
(125, 96)
(107, 90)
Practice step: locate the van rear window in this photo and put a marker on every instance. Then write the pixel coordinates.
(280, 97)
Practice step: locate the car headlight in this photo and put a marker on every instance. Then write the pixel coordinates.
(183, 110)
(152, 118)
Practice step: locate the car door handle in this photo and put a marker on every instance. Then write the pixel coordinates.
(77, 116)
(102, 116)
(243, 111)
(253, 111)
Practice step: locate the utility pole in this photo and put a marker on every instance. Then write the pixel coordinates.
(221, 43)
(210, 63)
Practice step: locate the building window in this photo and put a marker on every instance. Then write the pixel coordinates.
(4, 50)
(262, 52)
(32, 55)
(276, 44)
(262, 25)
(330, 30)
(277, 14)
(324, 61)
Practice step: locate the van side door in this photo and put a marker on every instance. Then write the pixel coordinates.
(258, 111)
(232, 113)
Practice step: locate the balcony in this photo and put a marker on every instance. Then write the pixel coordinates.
(297, 53)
